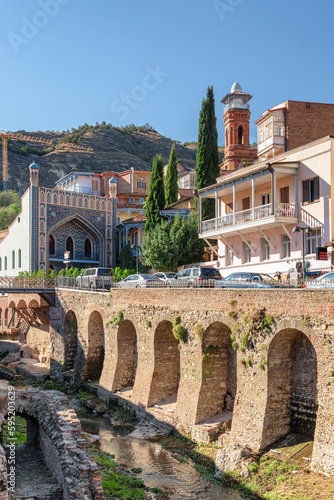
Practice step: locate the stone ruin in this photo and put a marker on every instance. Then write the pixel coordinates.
(55, 446)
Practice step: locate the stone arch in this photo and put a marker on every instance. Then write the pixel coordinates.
(95, 354)
(218, 374)
(292, 395)
(70, 340)
(166, 373)
(127, 356)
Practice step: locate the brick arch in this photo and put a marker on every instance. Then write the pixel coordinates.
(166, 371)
(33, 303)
(218, 372)
(127, 356)
(95, 352)
(292, 380)
(21, 304)
(32, 426)
(70, 339)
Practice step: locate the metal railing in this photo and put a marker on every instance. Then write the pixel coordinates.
(249, 215)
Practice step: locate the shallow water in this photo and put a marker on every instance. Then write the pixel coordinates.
(160, 468)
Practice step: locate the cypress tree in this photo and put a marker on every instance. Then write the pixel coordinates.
(156, 195)
(171, 185)
(207, 159)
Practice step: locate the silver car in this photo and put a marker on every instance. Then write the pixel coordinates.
(324, 281)
(141, 281)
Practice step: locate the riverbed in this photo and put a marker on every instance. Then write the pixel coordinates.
(159, 467)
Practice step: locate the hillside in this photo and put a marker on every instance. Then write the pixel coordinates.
(106, 149)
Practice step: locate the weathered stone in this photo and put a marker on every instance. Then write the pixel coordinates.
(229, 459)
(10, 358)
(6, 373)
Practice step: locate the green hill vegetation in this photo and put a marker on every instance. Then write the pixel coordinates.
(10, 206)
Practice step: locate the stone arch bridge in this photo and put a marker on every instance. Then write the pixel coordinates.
(259, 362)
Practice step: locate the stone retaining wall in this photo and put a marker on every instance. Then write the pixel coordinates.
(268, 400)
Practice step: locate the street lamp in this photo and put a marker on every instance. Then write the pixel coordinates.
(136, 247)
(302, 230)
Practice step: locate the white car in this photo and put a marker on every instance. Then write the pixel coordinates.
(324, 281)
(140, 281)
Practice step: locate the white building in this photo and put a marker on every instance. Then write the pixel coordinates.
(257, 207)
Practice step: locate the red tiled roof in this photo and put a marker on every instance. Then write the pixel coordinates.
(137, 218)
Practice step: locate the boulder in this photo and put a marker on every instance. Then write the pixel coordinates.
(11, 358)
(6, 373)
(229, 459)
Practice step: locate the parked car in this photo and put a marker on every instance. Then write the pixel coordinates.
(95, 277)
(164, 276)
(141, 281)
(195, 277)
(250, 280)
(324, 281)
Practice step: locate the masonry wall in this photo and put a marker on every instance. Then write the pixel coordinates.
(301, 316)
(307, 122)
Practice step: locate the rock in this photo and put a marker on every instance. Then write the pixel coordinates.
(6, 373)
(90, 404)
(229, 459)
(11, 358)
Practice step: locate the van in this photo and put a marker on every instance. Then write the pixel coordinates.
(95, 277)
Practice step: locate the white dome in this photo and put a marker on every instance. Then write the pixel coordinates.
(236, 87)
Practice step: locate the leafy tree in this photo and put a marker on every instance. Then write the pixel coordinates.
(118, 274)
(207, 160)
(53, 273)
(172, 245)
(126, 259)
(10, 206)
(156, 195)
(171, 185)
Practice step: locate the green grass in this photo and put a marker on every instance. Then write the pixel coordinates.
(20, 431)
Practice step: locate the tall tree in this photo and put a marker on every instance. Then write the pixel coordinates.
(171, 184)
(207, 160)
(156, 195)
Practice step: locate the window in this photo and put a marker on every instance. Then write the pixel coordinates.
(265, 253)
(240, 135)
(0, 264)
(95, 185)
(285, 195)
(5, 263)
(88, 248)
(69, 246)
(132, 201)
(229, 255)
(265, 199)
(311, 190)
(312, 240)
(52, 246)
(246, 203)
(13, 259)
(246, 252)
(141, 184)
(285, 246)
(19, 258)
(142, 201)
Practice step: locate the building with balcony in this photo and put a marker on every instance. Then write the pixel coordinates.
(256, 208)
(291, 124)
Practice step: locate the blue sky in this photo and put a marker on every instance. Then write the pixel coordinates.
(67, 62)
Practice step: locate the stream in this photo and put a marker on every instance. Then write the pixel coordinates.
(159, 468)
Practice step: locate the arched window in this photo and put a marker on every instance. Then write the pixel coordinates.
(97, 204)
(80, 203)
(68, 201)
(61, 199)
(69, 246)
(88, 248)
(52, 246)
(91, 203)
(103, 205)
(19, 258)
(6, 317)
(42, 211)
(48, 198)
(55, 198)
(240, 135)
(226, 138)
(42, 226)
(13, 259)
(86, 203)
(74, 201)
(42, 196)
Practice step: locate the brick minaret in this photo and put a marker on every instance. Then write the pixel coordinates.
(236, 121)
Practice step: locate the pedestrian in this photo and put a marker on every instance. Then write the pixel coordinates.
(299, 269)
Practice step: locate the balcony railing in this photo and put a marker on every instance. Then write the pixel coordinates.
(250, 215)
